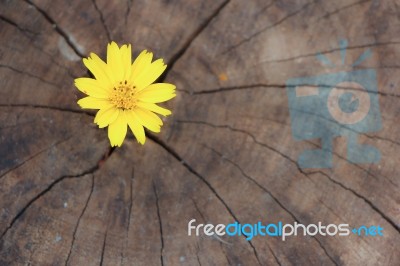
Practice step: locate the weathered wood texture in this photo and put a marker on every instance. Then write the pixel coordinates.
(225, 154)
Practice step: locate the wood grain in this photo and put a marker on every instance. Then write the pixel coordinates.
(225, 155)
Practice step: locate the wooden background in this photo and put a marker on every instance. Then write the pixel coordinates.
(225, 154)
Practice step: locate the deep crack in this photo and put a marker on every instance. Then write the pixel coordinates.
(103, 248)
(129, 215)
(272, 196)
(281, 86)
(191, 39)
(269, 27)
(54, 108)
(11, 22)
(102, 20)
(329, 14)
(195, 173)
(58, 29)
(91, 170)
(32, 42)
(160, 225)
(358, 195)
(79, 220)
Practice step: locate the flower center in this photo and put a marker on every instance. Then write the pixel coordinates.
(124, 96)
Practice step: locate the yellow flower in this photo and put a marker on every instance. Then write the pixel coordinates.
(124, 92)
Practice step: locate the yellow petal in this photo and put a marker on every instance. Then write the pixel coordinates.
(142, 62)
(135, 126)
(104, 117)
(148, 115)
(99, 69)
(117, 130)
(93, 103)
(154, 108)
(146, 118)
(126, 54)
(157, 93)
(91, 87)
(150, 74)
(114, 60)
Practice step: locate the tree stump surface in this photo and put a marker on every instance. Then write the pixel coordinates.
(226, 154)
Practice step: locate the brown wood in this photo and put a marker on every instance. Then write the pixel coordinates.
(225, 154)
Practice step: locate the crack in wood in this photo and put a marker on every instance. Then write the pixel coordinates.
(367, 45)
(387, 67)
(91, 170)
(38, 48)
(129, 216)
(128, 10)
(384, 216)
(191, 39)
(175, 155)
(197, 256)
(79, 220)
(238, 87)
(367, 171)
(337, 11)
(281, 86)
(30, 75)
(383, 138)
(270, 194)
(57, 28)
(102, 20)
(54, 108)
(198, 210)
(278, 86)
(251, 136)
(160, 225)
(358, 195)
(292, 160)
(304, 7)
(173, 60)
(103, 249)
(34, 156)
(322, 117)
(350, 129)
(274, 255)
(14, 24)
(226, 255)
(265, 8)
(326, 252)
(254, 249)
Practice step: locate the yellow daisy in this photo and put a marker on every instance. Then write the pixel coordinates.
(124, 92)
